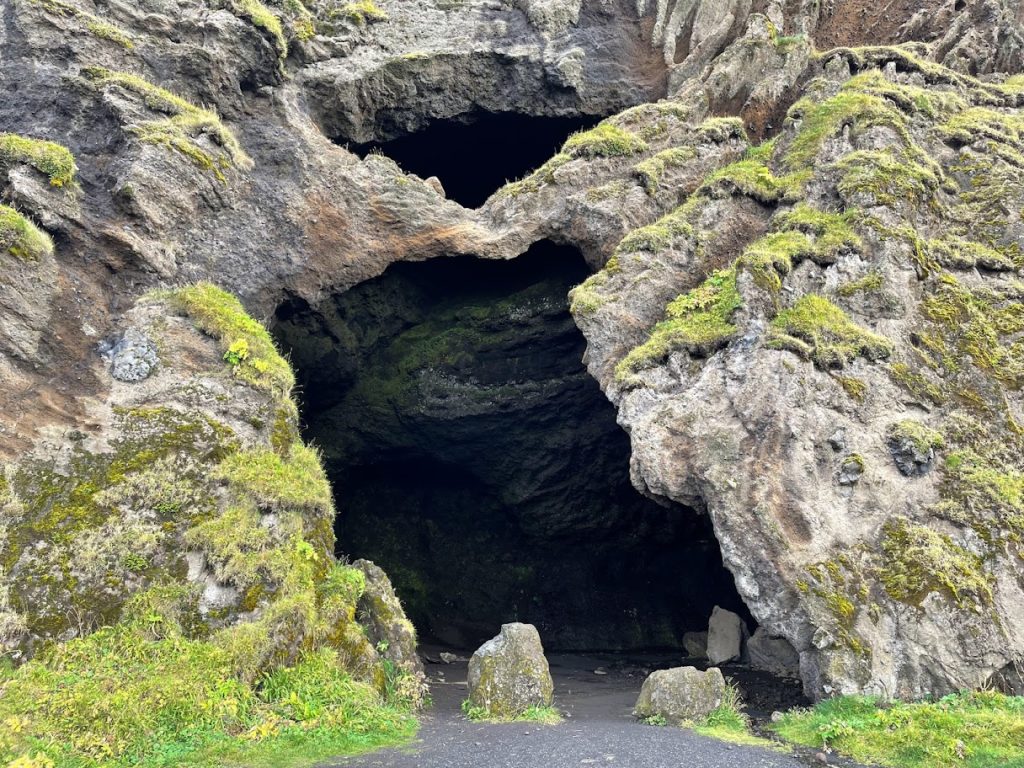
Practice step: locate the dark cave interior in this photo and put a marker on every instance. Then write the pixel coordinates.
(475, 154)
(478, 463)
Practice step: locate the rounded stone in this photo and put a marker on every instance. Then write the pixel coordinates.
(509, 673)
(681, 693)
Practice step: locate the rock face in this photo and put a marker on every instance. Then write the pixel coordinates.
(726, 633)
(509, 673)
(682, 693)
(868, 275)
(773, 654)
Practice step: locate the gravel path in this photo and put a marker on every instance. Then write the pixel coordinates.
(598, 731)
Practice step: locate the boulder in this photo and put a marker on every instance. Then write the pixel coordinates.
(509, 673)
(726, 632)
(380, 612)
(773, 654)
(682, 693)
(696, 644)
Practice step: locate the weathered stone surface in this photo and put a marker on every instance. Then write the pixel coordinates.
(696, 644)
(773, 654)
(682, 693)
(134, 357)
(509, 673)
(387, 628)
(726, 633)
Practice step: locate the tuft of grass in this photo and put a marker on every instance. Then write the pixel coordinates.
(363, 12)
(963, 730)
(295, 481)
(222, 316)
(21, 238)
(728, 722)
(541, 715)
(183, 124)
(47, 157)
(97, 26)
(604, 140)
(265, 19)
(698, 321)
(818, 330)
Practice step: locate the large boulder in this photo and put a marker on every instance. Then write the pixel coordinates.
(773, 654)
(726, 633)
(682, 693)
(509, 673)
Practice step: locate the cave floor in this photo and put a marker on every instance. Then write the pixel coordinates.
(598, 728)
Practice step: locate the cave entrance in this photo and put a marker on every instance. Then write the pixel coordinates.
(475, 154)
(477, 462)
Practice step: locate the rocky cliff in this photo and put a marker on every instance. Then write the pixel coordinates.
(806, 299)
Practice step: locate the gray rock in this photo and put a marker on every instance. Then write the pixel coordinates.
(912, 459)
(387, 628)
(725, 636)
(850, 470)
(773, 654)
(682, 693)
(838, 440)
(134, 357)
(509, 673)
(696, 644)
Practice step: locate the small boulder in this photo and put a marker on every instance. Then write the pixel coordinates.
(134, 357)
(912, 447)
(387, 627)
(682, 693)
(509, 673)
(726, 632)
(773, 654)
(696, 644)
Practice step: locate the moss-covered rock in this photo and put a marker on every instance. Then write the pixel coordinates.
(509, 674)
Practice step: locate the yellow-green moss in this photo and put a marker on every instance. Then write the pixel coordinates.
(222, 316)
(21, 238)
(184, 122)
(364, 12)
(539, 178)
(918, 560)
(752, 177)
(295, 481)
(923, 438)
(604, 140)
(817, 329)
(54, 160)
(658, 236)
(887, 177)
(95, 25)
(698, 321)
(653, 168)
(870, 283)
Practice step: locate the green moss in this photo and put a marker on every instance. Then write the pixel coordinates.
(540, 715)
(752, 177)
(222, 316)
(771, 257)
(22, 239)
(817, 329)
(854, 387)
(918, 561)
(923, 438)
(718, 130)
(184, 123)
(95, 25)
(364, 12)
(872, 282)
(295, 481)
(660, 235)
(47, 157)
(653, 168)
(539, 178)
(833, 233)
(698, 321)
(887, 177)
(955, 252)
(265, 19)
(605, 140)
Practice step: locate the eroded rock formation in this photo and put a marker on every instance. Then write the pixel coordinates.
(768, 317)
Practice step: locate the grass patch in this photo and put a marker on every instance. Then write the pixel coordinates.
(97, 26)
(263, 18)
(120, 698)
(965, 730)
(818, 330)
(21, 238)
(698, 321)
(183, 124)
(604, 140)
(47, 157)
(541, 715)
(248, 347)
(363, 12)
(295, 481)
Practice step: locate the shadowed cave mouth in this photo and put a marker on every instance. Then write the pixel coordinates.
(476, 461)
(473, 155)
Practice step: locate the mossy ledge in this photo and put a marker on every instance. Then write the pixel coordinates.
(22, 239)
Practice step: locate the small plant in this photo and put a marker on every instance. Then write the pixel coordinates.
(658, 720)
(47, 157)
(535, 714)
(237, 353)
(21, 238)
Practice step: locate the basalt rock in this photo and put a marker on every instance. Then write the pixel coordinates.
(509, 673)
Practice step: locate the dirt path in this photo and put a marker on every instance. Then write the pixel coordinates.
(598, 729)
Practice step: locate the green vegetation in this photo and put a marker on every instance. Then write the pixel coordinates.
(818, 330)
(543, 175)
(47, 157)
(21, 238)
(364, 12)
(653, 168)
(919, 560)
(604, 140)
(541, 715)
(97, 26)
(887, 177)
(121, 697)
(294, 481)
(265, 19)
(966, 730)
(870, 283)
(923, 438)
(773, 256)
(222, 316)
(184, 123)
(728, 722)
(658, 236)
(752, 177)
(698, 321)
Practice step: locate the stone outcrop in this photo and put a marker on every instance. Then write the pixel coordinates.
(509, 673)
(682, 693)
(859, 270)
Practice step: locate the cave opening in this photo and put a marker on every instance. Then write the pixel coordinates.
(473, 155)
(474, 459)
